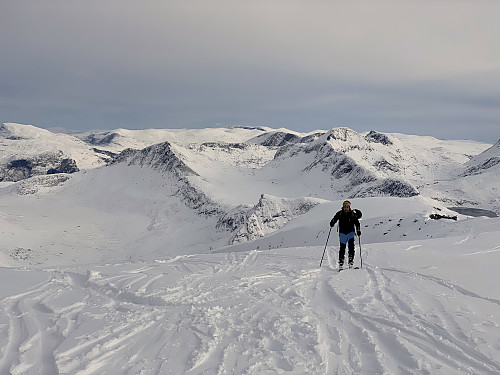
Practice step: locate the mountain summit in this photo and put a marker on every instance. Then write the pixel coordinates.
(223, 186)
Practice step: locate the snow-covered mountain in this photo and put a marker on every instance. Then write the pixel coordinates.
(231, 185)
(476, 184)
(484, 161)
(196, 251)
(27, 151)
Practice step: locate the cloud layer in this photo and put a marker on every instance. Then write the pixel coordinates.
(417, 67)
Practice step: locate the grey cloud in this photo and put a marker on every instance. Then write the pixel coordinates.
(392, 65)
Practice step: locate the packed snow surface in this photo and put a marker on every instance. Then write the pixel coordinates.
(428, 306)
(417, 307)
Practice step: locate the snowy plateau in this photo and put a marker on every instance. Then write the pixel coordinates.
(197, 251)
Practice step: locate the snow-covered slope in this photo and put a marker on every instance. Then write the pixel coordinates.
(416, 307)
(197, 252)
(325, 164)
(485, 160)
(328, 165)
(195, 197)
(120, 139)
(27, 151)
(476, 184)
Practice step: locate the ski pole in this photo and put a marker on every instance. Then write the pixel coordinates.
(327, 238)
(360, 252)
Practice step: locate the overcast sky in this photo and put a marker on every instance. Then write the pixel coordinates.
(429, 67)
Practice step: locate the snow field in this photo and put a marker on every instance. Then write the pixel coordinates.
(253, 312)
(130, 269)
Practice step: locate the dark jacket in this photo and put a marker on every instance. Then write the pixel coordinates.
(347, 221)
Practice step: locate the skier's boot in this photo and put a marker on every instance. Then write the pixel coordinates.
(351, 262)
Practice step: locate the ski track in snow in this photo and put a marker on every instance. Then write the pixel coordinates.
(258, 312)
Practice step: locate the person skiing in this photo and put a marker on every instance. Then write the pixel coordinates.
(348, 222)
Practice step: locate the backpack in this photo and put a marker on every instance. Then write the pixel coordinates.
(357, 213)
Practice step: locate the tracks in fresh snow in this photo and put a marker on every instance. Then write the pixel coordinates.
(398, 327)
(255, 312)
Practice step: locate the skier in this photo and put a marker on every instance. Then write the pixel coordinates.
(348, 220)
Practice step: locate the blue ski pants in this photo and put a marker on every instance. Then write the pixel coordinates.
(346, 240)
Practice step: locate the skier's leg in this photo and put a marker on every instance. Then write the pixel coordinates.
(351, 252)
(341, 254)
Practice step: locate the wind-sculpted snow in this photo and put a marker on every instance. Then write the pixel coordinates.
(257, 312)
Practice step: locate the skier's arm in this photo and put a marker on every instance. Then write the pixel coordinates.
(335, 219)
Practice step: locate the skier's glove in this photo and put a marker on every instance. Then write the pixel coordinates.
(332, 223)
(358, 232)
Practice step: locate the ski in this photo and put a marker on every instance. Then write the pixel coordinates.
(351, 268)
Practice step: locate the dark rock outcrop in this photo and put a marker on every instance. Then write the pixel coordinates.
(47, 163)
(439, 217)
(389, 187)
(373, 136)
(66, 166)
(159, 156)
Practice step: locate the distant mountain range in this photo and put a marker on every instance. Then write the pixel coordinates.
(326, 164)
(235, 184)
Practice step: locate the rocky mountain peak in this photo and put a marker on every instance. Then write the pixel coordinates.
(160, 156)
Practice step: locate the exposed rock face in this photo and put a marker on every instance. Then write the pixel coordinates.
(66, 166)
(389, 187)
(439, 217)
(159, 156)
(106, 156)
(17, 170)
(484, 161)
(47, 163)
(479, 168)
(278, 139)
(351, 175)
(384, 165)
(270, 214)
(373, 136)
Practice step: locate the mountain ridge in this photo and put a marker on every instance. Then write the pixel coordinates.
(232, 186)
